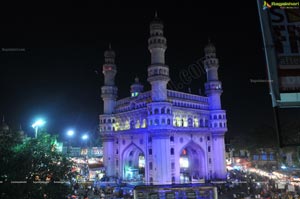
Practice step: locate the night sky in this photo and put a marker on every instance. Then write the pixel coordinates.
(55, 70)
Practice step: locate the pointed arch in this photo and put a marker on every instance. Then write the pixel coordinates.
(192, 161)
(130, 166)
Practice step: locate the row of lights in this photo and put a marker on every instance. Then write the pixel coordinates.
(40, 122)
(71, 133)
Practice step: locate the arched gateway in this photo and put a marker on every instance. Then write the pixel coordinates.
(133, 161)
(192, 163)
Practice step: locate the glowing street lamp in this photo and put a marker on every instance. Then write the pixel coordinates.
(70, 133)
(85, 137)
(37, 124)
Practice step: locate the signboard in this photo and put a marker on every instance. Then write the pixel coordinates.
(281, 185)
(280, 25)
(285, 27)
(291, 188)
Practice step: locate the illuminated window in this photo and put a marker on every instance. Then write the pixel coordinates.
(141, 161)
(137, 125)
(134, 94)
(264, 156)
(144, 123)
(178, 121)
(196, 123)
(127, 126)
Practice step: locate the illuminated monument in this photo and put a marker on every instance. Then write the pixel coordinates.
(163, 136)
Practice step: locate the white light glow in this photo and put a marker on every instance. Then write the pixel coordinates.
(70, 133)
(184, 162)
(39, 122)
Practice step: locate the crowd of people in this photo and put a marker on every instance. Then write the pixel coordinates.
(245, 185)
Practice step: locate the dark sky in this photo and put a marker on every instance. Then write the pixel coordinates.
(52, 73)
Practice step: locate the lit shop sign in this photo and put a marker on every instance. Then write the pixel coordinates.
(285, 25)
(280, 27)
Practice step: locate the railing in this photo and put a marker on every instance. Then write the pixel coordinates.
(187, 96)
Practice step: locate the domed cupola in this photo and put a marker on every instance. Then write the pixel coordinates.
(209, 48)
(136, 88)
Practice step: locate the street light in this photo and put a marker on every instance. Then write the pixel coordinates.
(70, 133)
(37, 124)
(84, 137)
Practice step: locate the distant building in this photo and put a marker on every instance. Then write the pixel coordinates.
(5, 130)
(83, 151)
(163, 136)
(265, 158)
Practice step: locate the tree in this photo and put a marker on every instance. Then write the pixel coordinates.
(41, 168)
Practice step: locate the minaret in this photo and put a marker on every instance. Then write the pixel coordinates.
(109, 95)
(160, 109)
(213, 87)
(158, 72)
(213, 90)
(109, 90)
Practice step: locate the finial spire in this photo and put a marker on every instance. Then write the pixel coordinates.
(155, 15)
(109, 46)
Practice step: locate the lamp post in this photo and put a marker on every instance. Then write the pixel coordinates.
(36, 126)
(85, 137)
(70, 134)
